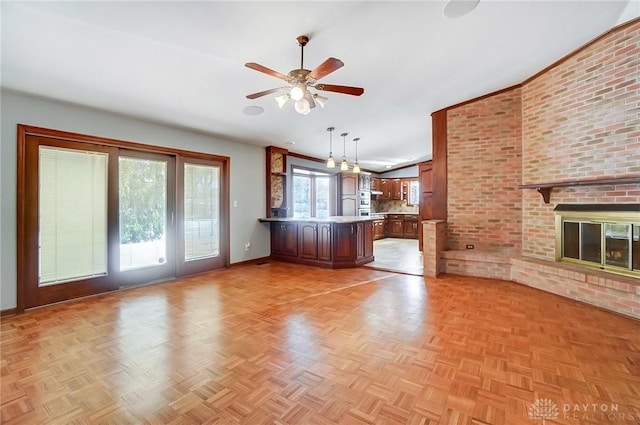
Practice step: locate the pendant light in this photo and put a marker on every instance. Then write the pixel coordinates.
(356, 166)
(344, 166)
(331, 163)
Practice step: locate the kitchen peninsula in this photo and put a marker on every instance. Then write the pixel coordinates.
(333, 242)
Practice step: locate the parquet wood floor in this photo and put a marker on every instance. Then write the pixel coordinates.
(288, 344)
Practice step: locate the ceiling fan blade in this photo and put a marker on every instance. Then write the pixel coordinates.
(354, 91)
(264, 93)
(326, 68)
(264, 69)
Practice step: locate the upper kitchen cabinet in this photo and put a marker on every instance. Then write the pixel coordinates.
(375, 183)
(276, 181)
(364, 182)
(348, 194)
(396, 189)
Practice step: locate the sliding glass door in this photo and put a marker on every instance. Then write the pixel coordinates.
(200, 224)
(95, 217)
(146, 217)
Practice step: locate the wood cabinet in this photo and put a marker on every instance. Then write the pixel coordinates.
(375, 183)
(395, 226)
(348, 194)
(308, 244)
(410, 227)
(276, 180)
(344, 242)
(379, 229)
(322, 243)
(365, 240)
(284, 239)
(396, 189)
(385, 188)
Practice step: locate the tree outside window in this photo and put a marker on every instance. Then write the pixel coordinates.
(311, 194)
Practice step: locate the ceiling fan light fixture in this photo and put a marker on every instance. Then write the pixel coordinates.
(302, 106)
(282, 100)
(320, 100)
(298, 91)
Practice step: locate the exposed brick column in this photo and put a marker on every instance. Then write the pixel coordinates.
(433, 242)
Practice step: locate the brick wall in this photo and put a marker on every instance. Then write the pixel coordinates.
(581, 120)
(578, 120)
(483, 170)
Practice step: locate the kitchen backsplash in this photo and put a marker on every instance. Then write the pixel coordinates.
(393, 206)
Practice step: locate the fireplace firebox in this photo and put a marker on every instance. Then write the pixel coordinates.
(601, 236)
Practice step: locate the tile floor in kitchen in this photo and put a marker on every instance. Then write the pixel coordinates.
(398, 255)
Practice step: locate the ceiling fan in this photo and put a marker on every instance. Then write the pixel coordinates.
(300, 80)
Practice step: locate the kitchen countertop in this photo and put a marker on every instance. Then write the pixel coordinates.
(373, 214)
(332, 219)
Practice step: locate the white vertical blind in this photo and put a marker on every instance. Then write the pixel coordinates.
(73, 214)
(201, 211)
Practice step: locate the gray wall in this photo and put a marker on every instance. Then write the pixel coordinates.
(247, 185)
(411, 171)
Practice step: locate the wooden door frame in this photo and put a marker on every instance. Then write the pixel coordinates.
(26, 233)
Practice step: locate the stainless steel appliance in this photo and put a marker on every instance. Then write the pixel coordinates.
(364, 203)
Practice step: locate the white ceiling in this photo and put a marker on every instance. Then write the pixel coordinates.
(182, 63)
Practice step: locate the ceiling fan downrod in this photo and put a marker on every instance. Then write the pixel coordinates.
(302, 41)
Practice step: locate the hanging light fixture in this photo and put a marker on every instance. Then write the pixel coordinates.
(331, 163)
(344, 166)
(356, 166)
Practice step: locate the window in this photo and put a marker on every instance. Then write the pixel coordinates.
(311, 193)
(73, 215)
(201, 211)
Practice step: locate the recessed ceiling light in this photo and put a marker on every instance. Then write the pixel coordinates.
(458, 8)
(291, 143)
(253, 110)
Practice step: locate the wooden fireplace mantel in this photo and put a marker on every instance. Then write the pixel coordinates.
(545, 188)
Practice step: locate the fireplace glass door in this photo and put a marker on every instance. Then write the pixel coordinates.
(617, 244)
(605, 245)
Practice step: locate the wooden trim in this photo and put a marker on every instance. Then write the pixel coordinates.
(105, 141)
(21, 244)
(307, 157)
(475, 99)
(440, 172)
(590, 182)
(581, 48)
(254, 261)
(8, 312)
(545, 189)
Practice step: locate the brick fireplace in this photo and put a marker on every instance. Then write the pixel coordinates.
(572, 132)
